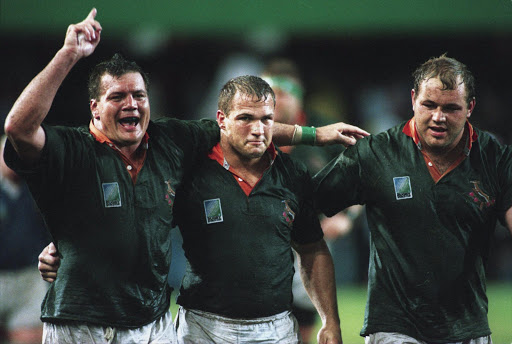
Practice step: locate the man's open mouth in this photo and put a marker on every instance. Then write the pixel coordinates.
(129, 121)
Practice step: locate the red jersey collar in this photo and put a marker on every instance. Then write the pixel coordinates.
(218, 155)
(410, 130)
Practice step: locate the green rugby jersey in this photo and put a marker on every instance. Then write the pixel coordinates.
(238, 247)
(113, 235)
(429, 242)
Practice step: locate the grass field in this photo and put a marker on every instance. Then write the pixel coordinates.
(352, 299)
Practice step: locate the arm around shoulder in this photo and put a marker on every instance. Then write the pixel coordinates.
(336, 133)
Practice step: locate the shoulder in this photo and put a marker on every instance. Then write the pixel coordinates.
(486, 138)
(65, 133)
(392, 134)
(180, 124)
(488, 145)
(199, 133)
(383, 141)
(291, 168)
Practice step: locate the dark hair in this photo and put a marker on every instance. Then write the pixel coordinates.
(448, 70)
(246, 85)
(117, 66)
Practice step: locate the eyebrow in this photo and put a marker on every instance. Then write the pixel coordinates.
(445, 105)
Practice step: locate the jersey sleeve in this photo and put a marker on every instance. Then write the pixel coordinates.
(337, 186)
(306, 227)
(63, 150)
(195, 137)
(504, 169)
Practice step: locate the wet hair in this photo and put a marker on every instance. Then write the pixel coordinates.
(247, 85)
(117, 66)
(448, 70)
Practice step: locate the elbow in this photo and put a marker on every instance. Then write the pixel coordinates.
(12, 129)
(9, 128)
(18, 130)
(26, 140)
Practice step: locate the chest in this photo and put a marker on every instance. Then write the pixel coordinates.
(215, 196)
(405, 190)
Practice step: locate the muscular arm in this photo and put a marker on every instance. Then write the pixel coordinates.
(336, 133)
(23, 124)
(317, 272)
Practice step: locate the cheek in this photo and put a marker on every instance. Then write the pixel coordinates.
(268, 132)
(459, 122)
(422, 116)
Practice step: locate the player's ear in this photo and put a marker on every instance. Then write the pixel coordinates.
(413, 98)
(471, 107)
(93, 105)
(221, 119)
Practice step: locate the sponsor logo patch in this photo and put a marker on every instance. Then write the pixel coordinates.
(111, 195)
(213, 211)
(403, 188)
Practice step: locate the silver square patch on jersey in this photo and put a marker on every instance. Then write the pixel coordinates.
(111, 195)
(403, 188)
(213, 211)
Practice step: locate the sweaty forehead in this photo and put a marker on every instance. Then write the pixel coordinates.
(251, 99)
(433, 86)
(126, 82)
(248, 104)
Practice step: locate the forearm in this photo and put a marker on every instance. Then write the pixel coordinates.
(317, 272)
(23, 124)
(282, 134)
(337, 133)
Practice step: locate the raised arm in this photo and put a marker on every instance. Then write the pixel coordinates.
(336, 133)
(23, 124)
(317, 272)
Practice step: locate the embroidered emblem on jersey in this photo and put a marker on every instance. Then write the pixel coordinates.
(288, 213)
(403, 188)
(111, 195)
(169, 196)
(213, 211)
(479, 196)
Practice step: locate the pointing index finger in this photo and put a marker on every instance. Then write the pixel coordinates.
(92, 14)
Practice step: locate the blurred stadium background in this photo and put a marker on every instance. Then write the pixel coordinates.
(355, 57)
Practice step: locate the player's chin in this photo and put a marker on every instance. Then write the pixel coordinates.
(255, 153)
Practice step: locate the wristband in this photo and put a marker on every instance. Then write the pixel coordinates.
(308, 136)
(297, 135)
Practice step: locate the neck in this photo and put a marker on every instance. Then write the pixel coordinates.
(444, 158)
(131, 152)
